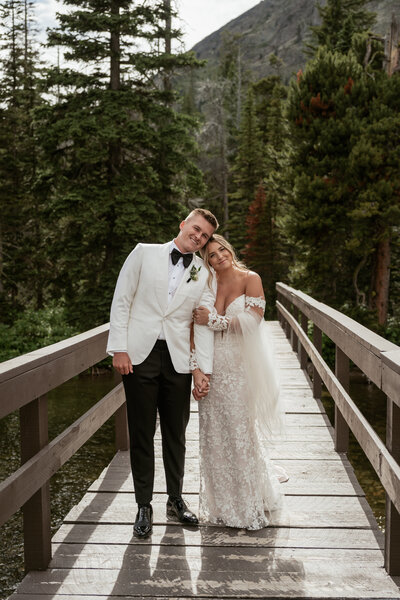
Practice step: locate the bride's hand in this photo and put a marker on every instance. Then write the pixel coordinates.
(200, 315)
(201, 384)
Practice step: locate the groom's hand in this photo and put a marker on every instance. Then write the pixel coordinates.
(200, 315)
(201, 384)
(122, 363)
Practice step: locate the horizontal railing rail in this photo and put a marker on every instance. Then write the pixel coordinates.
(379, 359)
(24, 382)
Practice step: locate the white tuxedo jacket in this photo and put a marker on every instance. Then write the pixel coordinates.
(140, 309)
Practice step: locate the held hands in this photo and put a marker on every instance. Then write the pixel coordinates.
(122, 363)
(200, 315)
(201, 384)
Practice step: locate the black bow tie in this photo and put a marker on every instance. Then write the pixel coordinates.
(176, 255)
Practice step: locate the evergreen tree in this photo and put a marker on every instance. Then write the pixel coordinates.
(326, 107)
(215, 143)
(248, 171)
(346, 197)
(120, 152)
(221, 96)
(22, 246)
(259, 252)
(374, 167)
(341, 19)
(266, 250)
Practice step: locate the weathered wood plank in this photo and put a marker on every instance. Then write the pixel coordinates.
(170, 535)
(299, 511)
(227, 558)
(290, 579)
(311, 477)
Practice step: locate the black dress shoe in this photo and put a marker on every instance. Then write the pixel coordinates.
(177, 508)
(144, 522)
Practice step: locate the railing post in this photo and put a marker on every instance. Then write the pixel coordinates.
(392, 528)
(288, 329)
(302, 352)
(36, 512)
(294, 340)
(343, 374)
(280, 317)
(317, 381)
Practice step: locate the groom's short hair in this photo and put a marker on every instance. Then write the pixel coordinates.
(208, 216)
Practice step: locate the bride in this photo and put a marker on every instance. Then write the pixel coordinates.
(239, 485)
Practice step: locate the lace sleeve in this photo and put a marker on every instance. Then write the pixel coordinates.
(217, 322)
(252, 301)
(193, 360)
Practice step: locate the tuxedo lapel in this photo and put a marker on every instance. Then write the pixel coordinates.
(161, 276)
(178, 296)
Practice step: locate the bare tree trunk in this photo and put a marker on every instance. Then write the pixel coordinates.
(115, 84)
(168, 27)
(382, 279)
(26, 40)
(381, 274)
(225, 169)
(392, 54)
(239, 87)
(360, 296)
(225, 202)
(115, 69)
(14, 50)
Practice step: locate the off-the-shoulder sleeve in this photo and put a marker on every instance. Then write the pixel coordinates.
(252, 301)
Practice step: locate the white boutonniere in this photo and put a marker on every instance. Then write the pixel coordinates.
(194, 274)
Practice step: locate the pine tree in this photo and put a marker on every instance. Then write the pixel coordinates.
(326, 108)
(374, 165)
(221, 96)
(266, 250)
(345, 206)
(341, 19)
(260, 248)
(120, 152)
(22, 261)
(248, 171)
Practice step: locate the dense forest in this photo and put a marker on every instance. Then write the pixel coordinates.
(117, 142)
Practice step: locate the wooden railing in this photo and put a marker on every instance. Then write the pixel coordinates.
(24, 382)
(379, 359)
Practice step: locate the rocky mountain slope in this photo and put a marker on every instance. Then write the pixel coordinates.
(280, 27)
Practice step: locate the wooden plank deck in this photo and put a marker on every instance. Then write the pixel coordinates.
(325, 544)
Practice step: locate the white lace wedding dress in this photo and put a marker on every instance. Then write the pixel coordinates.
(239, 485)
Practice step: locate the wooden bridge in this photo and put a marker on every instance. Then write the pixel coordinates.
(324, 544)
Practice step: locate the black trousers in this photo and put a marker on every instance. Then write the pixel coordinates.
(155, 385)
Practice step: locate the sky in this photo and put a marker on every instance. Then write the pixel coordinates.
(202, 17)
(199, 17)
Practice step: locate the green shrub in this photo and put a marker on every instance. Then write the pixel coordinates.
(34, 329)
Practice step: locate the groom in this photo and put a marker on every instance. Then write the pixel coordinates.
(157, 290)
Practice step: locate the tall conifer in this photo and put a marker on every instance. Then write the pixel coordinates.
(248, 171)
(340, 20)
(120, 152)
(22, 253)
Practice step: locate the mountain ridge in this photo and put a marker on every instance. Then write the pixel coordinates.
(280, 27)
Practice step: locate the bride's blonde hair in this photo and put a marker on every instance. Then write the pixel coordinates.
(205, 251)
